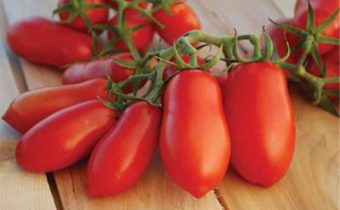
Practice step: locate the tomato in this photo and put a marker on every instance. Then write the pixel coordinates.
(261, 122)
(100, 69)
(278, 37)
(331, 61)
(44, 41)
(329, 5)
(122, 155)
(64, 137)
(321, 12)
(142, 37)
(181, 20)
(98, 15)
(29, 108)
(194, 142)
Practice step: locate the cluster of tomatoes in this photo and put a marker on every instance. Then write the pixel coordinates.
(201, 124)
(327, 65)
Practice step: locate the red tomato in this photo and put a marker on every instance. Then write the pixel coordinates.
(142, 38)
(98, 15)
(321, 11)
(100, 69)
(64, 137)
(44, 41)
(329, 5)
(182, 19)
(29, 108)
(331, 60)
(261, 122)
(194, 142)
(122, 155)
(278, 38)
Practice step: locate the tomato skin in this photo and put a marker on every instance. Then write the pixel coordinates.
(194, 142)
(331, 60)
(100, 69)
(329, 5)
(183, 19)
(29, 108)
(122, 155)
(99, 15)
(142, 38)
(279, 40)
(34, 38)
(261, 122)
(64, 137)
(322, 11)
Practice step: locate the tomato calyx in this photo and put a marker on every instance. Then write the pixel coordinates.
(310, 38)
(77, 8)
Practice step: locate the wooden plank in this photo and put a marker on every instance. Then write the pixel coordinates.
(221, 17)
(153, 191)
(19, 189)
(287, 7)
(310, 182)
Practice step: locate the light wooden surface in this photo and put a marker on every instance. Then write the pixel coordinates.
(312, 181)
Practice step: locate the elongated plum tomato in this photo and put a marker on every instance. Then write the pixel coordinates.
(95, 15)
(29, 108)
(194, 142)
(122, 155)
(100, 69)
(181, 20)
(261, 122)
(64, 137)
(44, 41)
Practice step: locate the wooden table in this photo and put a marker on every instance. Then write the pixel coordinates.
(312, 181)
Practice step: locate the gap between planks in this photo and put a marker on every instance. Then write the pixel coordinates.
(20, 81)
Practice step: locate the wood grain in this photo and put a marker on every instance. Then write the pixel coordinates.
(18, 189)
(153, 191)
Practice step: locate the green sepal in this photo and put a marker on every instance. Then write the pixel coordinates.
(317, 58)
(328, 40)
(291, 29)
(212, 62)
(310, 24)
(236, 53)
(125, 63)
(327, 22)
(326, 104)
(269, 46)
